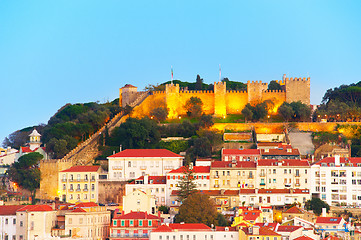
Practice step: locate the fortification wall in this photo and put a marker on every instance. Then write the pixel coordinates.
(236, 101)
(207, 98)
(276, 96)
(298, 89)
(151, 102)
(255, 91)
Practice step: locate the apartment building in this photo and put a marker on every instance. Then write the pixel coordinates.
(241, 154)
(8, 221)
(79, 184)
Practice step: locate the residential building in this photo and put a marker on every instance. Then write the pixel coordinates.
(336, 226)
(285, 173)
(289, 232)
(35, 222)
(133, 163)
(8, 221)
(296, 221)
(133, 225)
(256, 232)
(139, 201)
(282, 152)
(155, 184)
(232, 175)
(8, 156)
(299, 213)
(88, 221)
(34, 145)
(79, 184)
(240, 154)
(337, 180)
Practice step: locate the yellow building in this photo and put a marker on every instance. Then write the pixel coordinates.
(139, 201)
(79, 184)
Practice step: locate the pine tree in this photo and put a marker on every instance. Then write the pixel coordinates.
(186, 185)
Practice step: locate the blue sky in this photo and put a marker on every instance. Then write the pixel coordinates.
(58, 52)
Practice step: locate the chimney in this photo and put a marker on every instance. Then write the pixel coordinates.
(324, 212)
(146, 179)
(337, 160)
(120, 147)
(255, 230)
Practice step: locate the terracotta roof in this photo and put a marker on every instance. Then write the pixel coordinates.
(222, 229)
(304, 238)
(189, 226)
(136, 215)
(280, 152)
(294, 209)
(247, 191)
(263, 231)
(27, 149)
(241, 151)
(352, 161)
(228, 164)
(35, 208)
(213, 192)
(78, 210)
(152, 180)
(196, 169)
(271, 226)
(139, 153)
(251, 215)
(328, 220)
(287, 228)
(283, 162)
(128, 86)
(86, 204)
(82, 169)
(163, 228)
(9, 209)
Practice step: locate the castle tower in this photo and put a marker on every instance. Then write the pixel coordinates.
(298, 89)
(34, 140)
(255, 91)
(127, 95)
(172, 99)
(220, 108)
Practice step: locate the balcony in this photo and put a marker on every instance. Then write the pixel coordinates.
(63, 180)
(262, 184)
(250, 177)
(92, 180)
(297, 184)
(143, 168)
(85, 189)
(216, 176)
(71, 180)
(262, 174)
(334, 182)
(216, 185)
(71, 190)
(78, 190)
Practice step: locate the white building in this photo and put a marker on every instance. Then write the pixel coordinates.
(139, 201)
(156, 185)
(8, 156)
(8, 221)
(337, 180)
(133, 163)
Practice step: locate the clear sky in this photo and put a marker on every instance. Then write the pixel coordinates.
(58, 52)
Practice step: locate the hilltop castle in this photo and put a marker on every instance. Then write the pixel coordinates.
(220, 101)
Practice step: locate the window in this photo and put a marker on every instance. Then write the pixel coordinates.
(149, 223)
(78, 177)
(70, 221)
(131, 222)
(21, 223)
(274, 171)
(274, 180)
(6, 221)
(64, 186)
(86, 177)
(323, 196)
(78, 187)
(297, 173)
(71, 187)
(129, 164)
(93, 187)
(14, 221)
(228, 173)
(140, 223)
(122, 223)
(80, 220)
(285, 171)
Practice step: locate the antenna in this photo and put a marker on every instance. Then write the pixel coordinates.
(171, 70)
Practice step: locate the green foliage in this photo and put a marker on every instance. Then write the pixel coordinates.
(350, 94)
(193, 107)
(231, 85)
(258, 111)
(159, 114)
(286, 111)
(199, 83)
(163, 209)
(274, 85)
(247, 113)
(25, 172)
(186, 185)
(198, 208)
(20, 137)
(299, 111)
(184, 129)
(135, 133)
(206, 121)
(174, 146)
(221, 220)
(316, 205)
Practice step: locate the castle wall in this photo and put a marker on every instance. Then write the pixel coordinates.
(151, 102)
(172, 100)
(207, 98)
(276, 96)
(236, 101)
(220, 108)
(298, 89)
(255, 91)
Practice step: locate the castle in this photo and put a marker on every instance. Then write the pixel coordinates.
(220, 101)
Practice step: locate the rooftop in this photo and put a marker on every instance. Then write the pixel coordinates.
(82, 169)
(145, 153)
(136, 215)
(196, 169)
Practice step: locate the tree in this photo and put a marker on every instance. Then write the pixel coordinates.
(186, 185)
(260, 111)
(164, 209)
(159, 114)
(200, 147)
(25, 172)
(198, 208)
(247, 113)
(286, 111)
(302, 111)
(206, 121)
(221, 220)
(274, 85)
(316, 205)
(193, 107)
(199, 83)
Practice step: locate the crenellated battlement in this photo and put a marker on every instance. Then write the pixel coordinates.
(158, 92)
(274, 91)
(298, 79)
(197, 91)
(236, 91)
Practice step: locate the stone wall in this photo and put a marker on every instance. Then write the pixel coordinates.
(298, 89)
(111, 191)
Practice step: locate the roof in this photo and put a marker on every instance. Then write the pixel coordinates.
(223, 229)
(27, 149)
(78, 210)
(294, 209)
(241, 151)
(129, 86)
(82, 169)
(251, 215)
(214, 192)
(34, 133)
(328, 220)
(271, 226)
(9, 209)
(196, 169)
(136, 215)
(35, 208)
(86, 204)
(288, 228)
(352, 161)
(303, 238)
(265, 231)
(228, 164)
(284, 162)
(152, 180)
(273, 152)
(143, 153)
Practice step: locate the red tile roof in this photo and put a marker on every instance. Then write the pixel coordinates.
(196, 169)
(263, 231)
(213, 192)
(271, 226)
(82, 169)
(328, 220)
(283, 162)
(152, 180)
(241, 152)
(251, 215)
(27, 149)
(36, 208)
(223, 229)
(189, 226)
(281, 152)
(143, 153)
(304, 238)
(136, 215)
(78, 210)
(294, 209)
(9, 209)
(288, 228)
(247, 191)
(163, 228)
(352, 161)
(228, 164)
(86, 204)
(128, 86)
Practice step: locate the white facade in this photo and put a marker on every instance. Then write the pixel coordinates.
(133, 163)
(139, 201)
(8, 227)
(337, 180)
